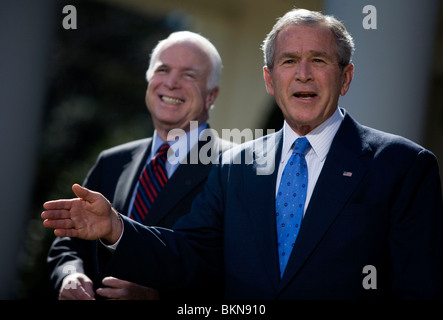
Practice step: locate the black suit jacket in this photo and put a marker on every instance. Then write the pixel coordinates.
(387, 215)
(115, 175)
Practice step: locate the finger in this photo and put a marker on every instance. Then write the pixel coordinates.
(110, 293)
(89, 288)
(56, 214)
(58, 204)
(79, 293)
(114, 282)
(58, 223)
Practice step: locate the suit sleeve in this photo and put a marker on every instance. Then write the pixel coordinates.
(188, 255)
(416, 238)
(68, 255)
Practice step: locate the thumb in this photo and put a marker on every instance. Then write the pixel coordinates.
(82, 192)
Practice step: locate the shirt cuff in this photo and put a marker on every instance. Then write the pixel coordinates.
(113, 247)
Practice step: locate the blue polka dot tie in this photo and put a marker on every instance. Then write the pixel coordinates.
(290, 200)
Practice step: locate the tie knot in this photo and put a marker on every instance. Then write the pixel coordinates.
(301, 145)
(161, 154)
(163, 150)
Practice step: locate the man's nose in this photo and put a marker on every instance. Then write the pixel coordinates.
(172, 80)
(304, 71)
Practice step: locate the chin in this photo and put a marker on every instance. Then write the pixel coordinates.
(304, 116)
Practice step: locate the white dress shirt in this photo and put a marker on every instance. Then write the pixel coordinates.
(320, 139)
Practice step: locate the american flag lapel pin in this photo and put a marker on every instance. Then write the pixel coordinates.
(347, 174)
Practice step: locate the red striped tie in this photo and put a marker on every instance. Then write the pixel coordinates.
(152, 180)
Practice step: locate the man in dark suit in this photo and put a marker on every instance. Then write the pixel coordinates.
(183, 81)
(369, 203)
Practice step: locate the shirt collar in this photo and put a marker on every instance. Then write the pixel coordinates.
(320, 138)
(184, 142)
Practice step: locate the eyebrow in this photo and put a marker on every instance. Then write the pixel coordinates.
(193, 69)
(184, 69)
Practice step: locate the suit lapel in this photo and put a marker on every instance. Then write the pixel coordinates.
(331, 193)
(187, 177)
(259, 187)
(130, 176)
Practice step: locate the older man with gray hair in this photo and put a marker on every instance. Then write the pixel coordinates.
(183, 83)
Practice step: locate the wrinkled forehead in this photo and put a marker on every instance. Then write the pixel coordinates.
(306, 38)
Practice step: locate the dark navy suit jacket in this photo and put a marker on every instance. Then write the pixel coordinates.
(387, 214)
(115, 175)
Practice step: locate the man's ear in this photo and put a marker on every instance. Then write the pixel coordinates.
(268, 80)
(347, 75)
(210, 98)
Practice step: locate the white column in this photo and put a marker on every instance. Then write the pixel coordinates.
(24, 33)
(392, 62)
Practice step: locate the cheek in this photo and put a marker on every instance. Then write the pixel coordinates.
(149, 99)
(338, 84)
(148, 93)
(330, 86)
(151, 89)
(198, 95)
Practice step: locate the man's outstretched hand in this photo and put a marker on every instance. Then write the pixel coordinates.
(89, 217)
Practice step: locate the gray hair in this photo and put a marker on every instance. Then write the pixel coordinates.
(205, 44)
(302, 17)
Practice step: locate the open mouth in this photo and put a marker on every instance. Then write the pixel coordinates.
(171, 100)
(305, 95)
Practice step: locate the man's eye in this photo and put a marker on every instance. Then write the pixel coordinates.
(289, 61)
(318, 60)
(190, 76)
